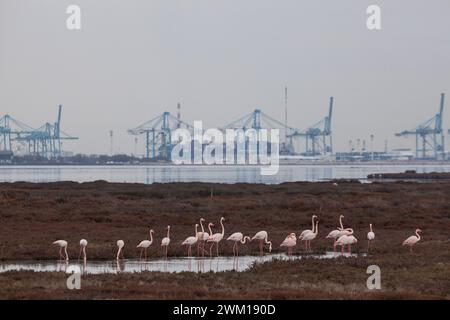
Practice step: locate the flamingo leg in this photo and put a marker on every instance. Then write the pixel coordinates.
(260, 248)
(60, 253)
(217, 249)
(237, 250)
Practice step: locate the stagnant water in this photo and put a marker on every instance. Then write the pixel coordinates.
(171, 265)
(220, 174)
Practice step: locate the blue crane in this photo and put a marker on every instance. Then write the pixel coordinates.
(10, 130)
(259, 120)
(158, 132)
(429, 135)
(319, 140)
(45, 141)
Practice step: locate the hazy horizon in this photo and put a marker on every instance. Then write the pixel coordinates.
(221, 59)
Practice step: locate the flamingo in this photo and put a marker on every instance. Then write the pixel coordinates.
(346, 239)
(335, 234)
(370, 237)
(306, 231)
(289, 243)
(216, 238)
(166, 241)
(308, 237)
(262, 237)
(411, 241)
(83, 245)
(237, 237)
(120, 245)
(145, 244)
(62, 245)
(190, 241)
(201, 238)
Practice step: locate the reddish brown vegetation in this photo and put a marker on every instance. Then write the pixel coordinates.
(34, 215)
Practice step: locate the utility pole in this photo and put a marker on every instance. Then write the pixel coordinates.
(111, 134)
(178, 115)
(285, 115)
(371, 146)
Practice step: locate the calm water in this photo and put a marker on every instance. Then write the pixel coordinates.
(171, 265)
(221, 174)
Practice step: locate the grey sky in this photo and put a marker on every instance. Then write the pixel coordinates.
(221, 59)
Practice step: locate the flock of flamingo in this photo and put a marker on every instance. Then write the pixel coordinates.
(341, 237)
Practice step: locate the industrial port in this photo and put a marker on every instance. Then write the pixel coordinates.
(21, 143)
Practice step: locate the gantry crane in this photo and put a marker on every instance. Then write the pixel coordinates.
(429, 135)
(158, 132)
(319, 140)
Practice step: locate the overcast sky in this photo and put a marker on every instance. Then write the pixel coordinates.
(221, 59)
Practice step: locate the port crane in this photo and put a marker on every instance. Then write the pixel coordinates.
(429, 135)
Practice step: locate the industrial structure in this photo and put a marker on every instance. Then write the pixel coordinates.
(158, 132)
(429, 136)
(45, 141)
(318, 137)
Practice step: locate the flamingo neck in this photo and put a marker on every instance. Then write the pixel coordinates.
(168, 232)
(151, 236)
(418, 235)
(245, 238)
(317, 228)
(210, 231)
(196, 230)
(223, 228)
(201, 226)
(371, 228)
(340, 221)
(312, 223)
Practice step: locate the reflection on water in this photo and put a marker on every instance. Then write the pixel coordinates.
(170, 265)
(188, 173)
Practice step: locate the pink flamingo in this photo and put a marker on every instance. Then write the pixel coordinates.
(411, 241)
(190, 241)
(216, 238)
(145, 244)
(166, 241)
(262, 237)
(346, 239)
(307, 231)
(83, 245)
(237, 237)
(370, 237)
(309, 236)
(62, 245)
(201, 238)
(120, 245)
(289, 243)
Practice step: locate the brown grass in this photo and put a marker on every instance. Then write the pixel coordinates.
(34, 215)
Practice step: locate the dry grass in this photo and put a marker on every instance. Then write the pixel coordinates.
(34, 215)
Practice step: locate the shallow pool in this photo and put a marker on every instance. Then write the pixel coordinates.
(171, 265)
